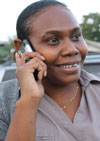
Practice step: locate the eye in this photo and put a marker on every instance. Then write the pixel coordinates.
(76, 36)
(53, 41)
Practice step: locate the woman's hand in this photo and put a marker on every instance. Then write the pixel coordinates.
(30, 88)
(32, 91)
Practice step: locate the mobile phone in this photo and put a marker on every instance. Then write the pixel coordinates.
(27, 47)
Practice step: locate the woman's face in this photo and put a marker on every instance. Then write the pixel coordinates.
(57, 36)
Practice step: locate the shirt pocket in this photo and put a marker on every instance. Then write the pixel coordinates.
(44, 138)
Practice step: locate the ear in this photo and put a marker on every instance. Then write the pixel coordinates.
(17, 43)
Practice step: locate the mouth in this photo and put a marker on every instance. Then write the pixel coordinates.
(68, 64)
(69, 67)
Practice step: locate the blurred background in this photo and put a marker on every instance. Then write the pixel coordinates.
(87, 13)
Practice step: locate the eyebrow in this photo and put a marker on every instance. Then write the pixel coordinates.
(76, 29)
(58, 32)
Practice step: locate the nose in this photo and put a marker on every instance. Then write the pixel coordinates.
(69, 49)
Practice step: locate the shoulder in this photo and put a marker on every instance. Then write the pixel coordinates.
(88, 78)
(9, 88)
(8, 97)
(91, 82)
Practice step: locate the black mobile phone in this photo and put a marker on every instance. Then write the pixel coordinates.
(27, 47)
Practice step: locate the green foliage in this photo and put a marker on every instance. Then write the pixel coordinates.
(91, 26)
(7, 51)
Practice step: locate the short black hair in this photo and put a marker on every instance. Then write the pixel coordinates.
(23, 27)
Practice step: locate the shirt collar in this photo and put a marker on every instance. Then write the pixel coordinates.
(87, 78)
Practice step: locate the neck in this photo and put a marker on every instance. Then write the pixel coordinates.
(61, 93)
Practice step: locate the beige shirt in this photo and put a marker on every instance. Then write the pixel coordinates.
(52, 123)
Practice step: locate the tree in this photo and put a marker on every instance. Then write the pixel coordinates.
(91, 26)
(7, 51)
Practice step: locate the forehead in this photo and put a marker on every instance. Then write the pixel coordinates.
(54, 18)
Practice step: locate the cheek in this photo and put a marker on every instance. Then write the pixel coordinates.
(83, 55)
(83, 50)
(50, 55)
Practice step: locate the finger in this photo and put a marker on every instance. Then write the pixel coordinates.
(30, 68)
(37, 60)
(27, 55)
(32, 55)
(40, 70)
(17, 57)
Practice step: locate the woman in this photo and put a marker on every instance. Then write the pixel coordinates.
(63, 103)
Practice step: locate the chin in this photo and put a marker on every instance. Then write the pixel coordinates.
(69, 79)
(60, 79)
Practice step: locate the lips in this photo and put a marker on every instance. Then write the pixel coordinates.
(69, 67)
(68, 64)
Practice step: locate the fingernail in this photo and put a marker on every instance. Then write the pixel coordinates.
(43, 57)
(16, 53)
(45, 74)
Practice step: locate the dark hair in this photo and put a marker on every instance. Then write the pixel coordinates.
(23, 25)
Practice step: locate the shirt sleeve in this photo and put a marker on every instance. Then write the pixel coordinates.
(3, 122)
(9, 94)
